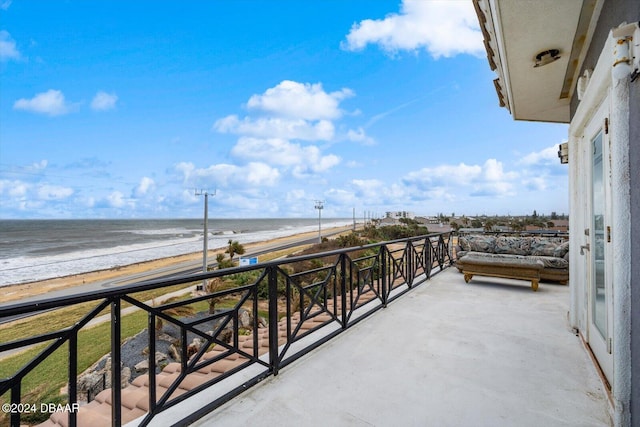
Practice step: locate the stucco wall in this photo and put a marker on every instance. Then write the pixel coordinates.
(614, 12)
(634, 161)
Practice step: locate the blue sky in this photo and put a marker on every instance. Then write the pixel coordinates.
(114, 109)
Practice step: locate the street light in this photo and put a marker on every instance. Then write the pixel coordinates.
(319, 206)
(205, 245)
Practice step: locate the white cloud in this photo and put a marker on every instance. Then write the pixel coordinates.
(281, 152)
(4, 5)
(116, 199)
(300, 100)
(494, 171)
(8, 49)
(360, 136)
(289, 111)
(53, 192)
(446, 181)
(42, 164)
(460, 174)
(51, 102)
(373, 191)
(340, 197)
(146, 186)
(367, 188)
(104, 101)
(536, 183)
(13, 188)
(260, 174)
(441, 27)
(275, 127)
(254, 174)
(295, 196)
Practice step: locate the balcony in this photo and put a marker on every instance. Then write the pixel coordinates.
(487, 353)
(383, 334)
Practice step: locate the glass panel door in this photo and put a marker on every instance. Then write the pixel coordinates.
(600, 327)
(599, 295)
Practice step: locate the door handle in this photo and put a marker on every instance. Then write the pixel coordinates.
(583, 247)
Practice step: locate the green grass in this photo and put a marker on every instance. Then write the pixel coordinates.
(65, 317)
(44, 382)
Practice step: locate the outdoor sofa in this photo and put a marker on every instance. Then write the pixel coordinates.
(531, 258)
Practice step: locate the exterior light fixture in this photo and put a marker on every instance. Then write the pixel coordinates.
(563, 153)
(626, 51)
(547, 57)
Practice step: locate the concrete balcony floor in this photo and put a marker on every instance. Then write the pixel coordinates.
(488, 353)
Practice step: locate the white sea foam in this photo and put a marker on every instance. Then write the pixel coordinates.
(27, 269)
(167, 231)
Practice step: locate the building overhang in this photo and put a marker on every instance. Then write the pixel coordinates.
(537, 49)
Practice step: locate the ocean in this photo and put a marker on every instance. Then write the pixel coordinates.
(32, 250)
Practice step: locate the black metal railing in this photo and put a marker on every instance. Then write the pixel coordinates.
(290, 312)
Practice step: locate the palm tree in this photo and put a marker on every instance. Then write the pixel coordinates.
(234, 248)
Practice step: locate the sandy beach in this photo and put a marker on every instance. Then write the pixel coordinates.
(24, 290)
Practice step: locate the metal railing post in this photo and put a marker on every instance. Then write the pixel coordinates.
(343, 289)
(383, 273)
(151, 328)
(15, 401)
(439, 252)
(116, 386)
(410, 251)
(73, 380)
(273, 320)
(428, 253)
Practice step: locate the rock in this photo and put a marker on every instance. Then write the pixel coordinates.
(174, 353)
(125, 376)
(142, 366)
(194, 347)
(165, 337)
(245, 319)
(226, 335)
(262, 322)
(160, 357)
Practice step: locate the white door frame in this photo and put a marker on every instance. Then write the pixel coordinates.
(596, 86)
(599, 330)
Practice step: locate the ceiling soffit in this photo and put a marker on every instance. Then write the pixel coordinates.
(515, 32)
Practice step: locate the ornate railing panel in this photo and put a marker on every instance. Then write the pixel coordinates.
(266, 323)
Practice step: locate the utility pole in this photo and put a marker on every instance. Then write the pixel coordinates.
(205, 248)
(354, 219)
(319, 205)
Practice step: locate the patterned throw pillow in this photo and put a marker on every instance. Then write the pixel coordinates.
(463, 243)
(544, 246)
(561, 250)
(484, 244)
(513, 245)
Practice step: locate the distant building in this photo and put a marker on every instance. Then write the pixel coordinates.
(388, 221)
(400, 214)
